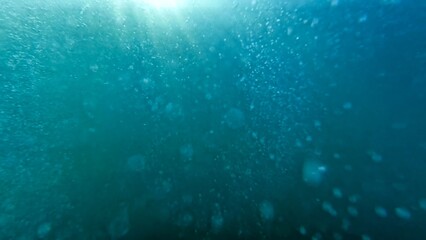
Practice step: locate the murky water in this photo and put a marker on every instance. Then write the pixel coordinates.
(239, 119)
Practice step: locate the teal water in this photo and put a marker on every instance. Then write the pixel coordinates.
(212, 119)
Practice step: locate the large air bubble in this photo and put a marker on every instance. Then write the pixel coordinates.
(136, 163)
(313, 172)
(235, 118)
(266, 211)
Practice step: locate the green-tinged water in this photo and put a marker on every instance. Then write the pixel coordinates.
(212, 119)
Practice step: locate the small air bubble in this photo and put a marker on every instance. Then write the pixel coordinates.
(381, 212)
(352, 211)
(302, 230)
(347, 105)
(337, 193)
(326, 206)
(376, 157)
(334, 3)
(403, 213)
(422, 203)
(363, 18)
(365, 237)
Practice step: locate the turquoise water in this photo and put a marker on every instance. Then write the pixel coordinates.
(212, 119)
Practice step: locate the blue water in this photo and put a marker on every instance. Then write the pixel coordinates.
(241, 119)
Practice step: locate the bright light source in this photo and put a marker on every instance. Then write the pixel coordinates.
(162, 3)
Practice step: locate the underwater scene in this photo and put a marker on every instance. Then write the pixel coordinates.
(212, 119)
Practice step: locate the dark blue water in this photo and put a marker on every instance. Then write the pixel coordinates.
(208, 119)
